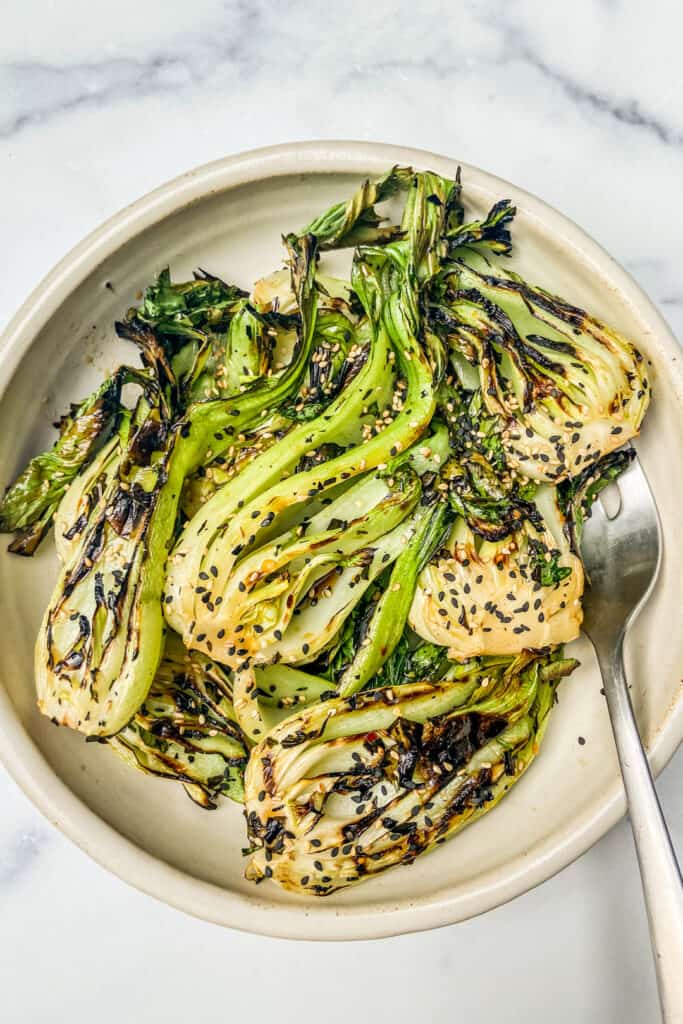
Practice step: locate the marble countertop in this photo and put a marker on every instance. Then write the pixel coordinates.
(98, 104)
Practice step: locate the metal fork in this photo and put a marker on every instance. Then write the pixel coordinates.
(622, 554)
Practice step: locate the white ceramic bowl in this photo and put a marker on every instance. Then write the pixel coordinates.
(228, 217)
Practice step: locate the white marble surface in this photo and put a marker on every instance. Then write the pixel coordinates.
(100, 102)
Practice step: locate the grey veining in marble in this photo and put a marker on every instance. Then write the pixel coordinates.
(100, 102)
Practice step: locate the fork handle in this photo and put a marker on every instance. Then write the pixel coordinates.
(659, 870)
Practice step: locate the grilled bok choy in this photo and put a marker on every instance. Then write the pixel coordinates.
(567, 388)
(351, 786)
(325, 559)
(230, 526)
(484, 596)
(102, 634)
(186, 729)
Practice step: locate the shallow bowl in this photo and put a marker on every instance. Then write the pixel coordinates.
(228, 217)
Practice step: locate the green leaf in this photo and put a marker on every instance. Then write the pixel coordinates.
(31, 501)
(355, 222)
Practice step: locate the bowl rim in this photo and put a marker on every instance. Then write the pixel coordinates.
(25, 762)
